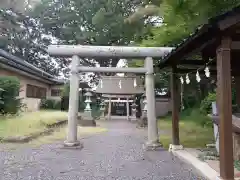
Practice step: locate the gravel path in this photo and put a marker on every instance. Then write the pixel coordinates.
(114, 155)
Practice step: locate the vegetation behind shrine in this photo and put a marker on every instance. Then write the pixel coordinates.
(113, 22)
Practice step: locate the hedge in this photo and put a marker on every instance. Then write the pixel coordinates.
(50, 104)
(10, 87)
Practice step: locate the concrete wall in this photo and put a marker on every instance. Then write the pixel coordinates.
(163, 106)
(32, 104)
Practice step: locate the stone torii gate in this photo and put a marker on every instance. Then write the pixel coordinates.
(79, 51)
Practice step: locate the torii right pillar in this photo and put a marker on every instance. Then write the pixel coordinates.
(224, 103)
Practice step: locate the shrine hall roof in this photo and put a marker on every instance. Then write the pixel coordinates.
(111, 85)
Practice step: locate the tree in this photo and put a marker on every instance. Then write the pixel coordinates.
(23, 37)
(15, 5)
(180, 19)
(96, 22)
(147, 10)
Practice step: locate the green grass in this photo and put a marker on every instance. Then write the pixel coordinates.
(194, 128)
(29, 122)
(61, 133)
(32, 122)
(58, 136)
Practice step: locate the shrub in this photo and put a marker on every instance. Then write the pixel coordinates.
(1, 98)
(206, 104)
(65, 98)
(190, 101)
(65, 103)
(10, 89)
(199, 118)
(95, 110)
(65, 90)
(58, 105)
(50, 104)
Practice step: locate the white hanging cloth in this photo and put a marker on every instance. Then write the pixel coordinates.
(101, 83)
(181, 79)
(198, 78)
(207, 72)
(120, 84)
(135, 82)
(187, 79)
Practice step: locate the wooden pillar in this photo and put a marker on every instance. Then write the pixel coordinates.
(109, 108)
(175, 95)
(127, 103)
(225, 109)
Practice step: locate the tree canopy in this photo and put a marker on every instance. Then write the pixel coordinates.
(105, 22)
(182, 17)
(96, 22)
(179, 19)
(23, 37)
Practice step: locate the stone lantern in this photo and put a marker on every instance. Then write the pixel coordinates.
(144, 110)
(134, 110)
(98, 101)
(88, 101)
(102, 109)
(86, 118)
(143, 120)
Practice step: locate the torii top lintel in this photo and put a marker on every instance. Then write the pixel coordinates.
(108, 51)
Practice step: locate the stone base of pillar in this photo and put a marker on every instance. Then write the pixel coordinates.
(73, 145)
(152, 146)
(173, 147)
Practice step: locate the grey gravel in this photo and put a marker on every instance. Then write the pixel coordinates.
(113, 155)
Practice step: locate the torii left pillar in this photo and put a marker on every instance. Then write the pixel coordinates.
(72, 140)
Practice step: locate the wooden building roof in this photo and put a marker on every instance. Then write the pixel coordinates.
(110, 85)
(217, 45)
(11, 62)
(201, 46)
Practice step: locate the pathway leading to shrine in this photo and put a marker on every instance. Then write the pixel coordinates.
(114, 155)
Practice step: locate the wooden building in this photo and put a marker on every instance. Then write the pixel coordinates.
(119, 94)
(218, 44)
